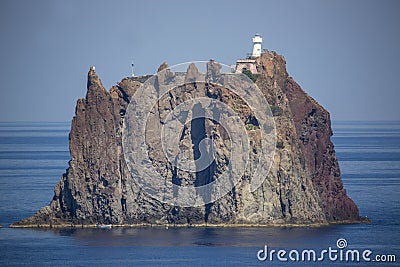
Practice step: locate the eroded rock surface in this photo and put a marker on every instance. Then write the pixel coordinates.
(303, 186)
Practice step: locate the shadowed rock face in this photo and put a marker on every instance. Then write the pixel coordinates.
(304, 185)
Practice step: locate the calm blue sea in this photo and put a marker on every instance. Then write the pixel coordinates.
(34, 155)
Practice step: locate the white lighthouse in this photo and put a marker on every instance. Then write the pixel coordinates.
(249, 64)
(257, 40)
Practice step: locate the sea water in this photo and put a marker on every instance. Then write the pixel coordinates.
(34, 155)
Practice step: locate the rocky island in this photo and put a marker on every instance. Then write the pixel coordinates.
(303, 186)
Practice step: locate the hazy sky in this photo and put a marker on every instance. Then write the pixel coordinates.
(345, 54)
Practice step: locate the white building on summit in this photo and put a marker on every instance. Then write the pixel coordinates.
(249, 62)
(257, 41)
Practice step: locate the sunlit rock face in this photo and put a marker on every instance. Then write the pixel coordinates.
(303, 185)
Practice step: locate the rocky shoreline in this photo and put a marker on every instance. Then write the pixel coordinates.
(146, 225)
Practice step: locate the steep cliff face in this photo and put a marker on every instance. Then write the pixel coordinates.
(312, 133)
(303, 186)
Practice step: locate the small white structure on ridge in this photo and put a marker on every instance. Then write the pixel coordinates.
(249, 64)
(257, 41)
